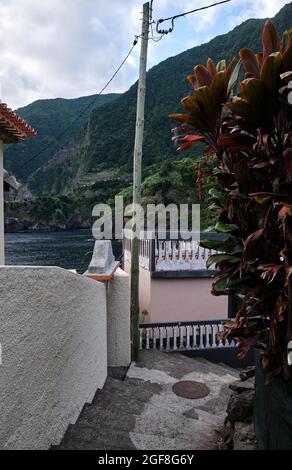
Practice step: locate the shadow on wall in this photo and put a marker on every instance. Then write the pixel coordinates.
(273, 412)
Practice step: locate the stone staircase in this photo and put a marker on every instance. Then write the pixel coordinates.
(141, 411)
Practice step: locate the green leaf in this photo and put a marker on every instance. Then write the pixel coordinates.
(215, 259)
(222, 227)
(229, 246)
(211, 244)
(220, 285)
(211, 228)
(218, 195)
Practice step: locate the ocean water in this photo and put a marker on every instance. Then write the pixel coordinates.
(70, 249)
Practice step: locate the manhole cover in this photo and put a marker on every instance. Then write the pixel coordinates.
(190, 389)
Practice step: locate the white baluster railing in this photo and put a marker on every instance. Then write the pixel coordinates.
(168, 255)
(183, 336)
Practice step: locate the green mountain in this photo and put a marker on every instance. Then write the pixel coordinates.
(104, 148)
(51, 118)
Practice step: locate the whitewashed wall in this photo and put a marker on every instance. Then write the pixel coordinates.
(54, 352)
(2, 257)
(118, 320)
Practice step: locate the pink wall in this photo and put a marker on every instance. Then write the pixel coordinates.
(186, 300)
(178, 299)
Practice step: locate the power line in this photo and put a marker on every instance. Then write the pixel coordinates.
(173, 18)
(59, 136)
(151, 22)
(152, 37)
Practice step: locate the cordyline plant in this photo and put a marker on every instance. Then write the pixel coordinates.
(250, 136)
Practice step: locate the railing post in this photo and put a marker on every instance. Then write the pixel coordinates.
(161, 339)
(174, 338)
(152, 267)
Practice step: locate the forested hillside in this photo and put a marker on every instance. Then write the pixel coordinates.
(50, 117)
(107, 139)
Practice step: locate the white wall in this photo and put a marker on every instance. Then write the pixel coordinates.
(118, 320)
(1, 206)
(54, 352)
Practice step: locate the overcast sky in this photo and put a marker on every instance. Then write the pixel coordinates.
(69, 48)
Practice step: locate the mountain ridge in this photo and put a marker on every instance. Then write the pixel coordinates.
(48, 117)
(106, 141)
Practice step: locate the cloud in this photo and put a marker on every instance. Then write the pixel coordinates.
(70, 48)
(64, 47)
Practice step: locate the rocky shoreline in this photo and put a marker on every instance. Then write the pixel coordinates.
(16, 225)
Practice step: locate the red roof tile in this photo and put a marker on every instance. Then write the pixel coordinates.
(13, 127)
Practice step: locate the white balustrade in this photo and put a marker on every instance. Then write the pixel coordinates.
(173, 337)
(180, 255)
(170, 255)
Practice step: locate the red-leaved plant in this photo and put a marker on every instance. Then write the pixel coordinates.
(251, 137)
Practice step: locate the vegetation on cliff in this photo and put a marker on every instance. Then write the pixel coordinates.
(106, 141)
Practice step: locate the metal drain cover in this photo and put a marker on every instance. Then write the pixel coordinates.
(190, 389)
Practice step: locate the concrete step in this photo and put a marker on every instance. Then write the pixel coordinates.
(100, 419)
(231, 369)
(125, 408)
(131, 385)
(100, 428)
(218, 369)
(204, 439)
(116, 406)
(97, 428)
(177, 365)
(89, 438)
(143, 412)
(195, 367)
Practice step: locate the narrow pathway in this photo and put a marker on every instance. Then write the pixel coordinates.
(143, 412)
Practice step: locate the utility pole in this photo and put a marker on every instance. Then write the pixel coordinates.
(137, 178)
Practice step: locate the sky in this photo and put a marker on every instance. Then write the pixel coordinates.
(70, 48)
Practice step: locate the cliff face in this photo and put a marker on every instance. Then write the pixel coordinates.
(106, 142)
(48, 214)
(51, 118)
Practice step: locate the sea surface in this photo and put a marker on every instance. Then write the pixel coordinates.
(70, 249)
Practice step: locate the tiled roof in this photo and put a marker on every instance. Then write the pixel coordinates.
(12, 127)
